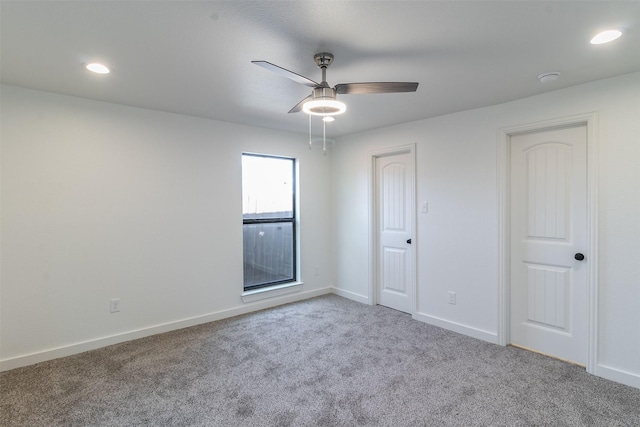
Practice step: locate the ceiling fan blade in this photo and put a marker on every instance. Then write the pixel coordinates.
(375, 87)
(298, 106)
(286, 73)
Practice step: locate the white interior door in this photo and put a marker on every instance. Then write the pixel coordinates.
(548, 281)
(394, 212)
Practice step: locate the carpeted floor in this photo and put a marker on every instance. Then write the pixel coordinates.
(327, 361)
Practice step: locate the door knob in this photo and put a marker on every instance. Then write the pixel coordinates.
(409, 241)
(579, 256)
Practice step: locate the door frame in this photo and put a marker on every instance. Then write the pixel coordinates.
(590, 120)
(373, 221)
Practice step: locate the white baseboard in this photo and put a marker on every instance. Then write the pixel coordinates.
(351, 295)
(480, 334)
(618, 375)
(607, 372)
(81, 347)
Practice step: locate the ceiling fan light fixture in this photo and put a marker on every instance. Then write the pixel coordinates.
(323, 102)
(324, 107)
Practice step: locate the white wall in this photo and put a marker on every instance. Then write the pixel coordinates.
(457, 241)
(103, 201)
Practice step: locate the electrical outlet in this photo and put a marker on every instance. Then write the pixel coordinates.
(452, 298)
(316, 271)
(115, 305)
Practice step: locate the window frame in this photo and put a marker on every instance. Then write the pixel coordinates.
(292, 220)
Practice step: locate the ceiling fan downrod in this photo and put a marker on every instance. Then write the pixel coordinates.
(323, 97)
(323, 60)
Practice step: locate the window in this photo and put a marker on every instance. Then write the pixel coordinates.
(269, 220)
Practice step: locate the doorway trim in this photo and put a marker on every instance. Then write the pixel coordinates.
(590, 120)
(373, 221)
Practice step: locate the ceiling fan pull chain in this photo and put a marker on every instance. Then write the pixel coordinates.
(310, 142)
(324, 137)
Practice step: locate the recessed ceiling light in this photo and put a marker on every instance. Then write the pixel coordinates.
(328, 119)
(606, 36)
(98, 68)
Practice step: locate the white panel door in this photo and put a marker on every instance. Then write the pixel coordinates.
(548, 282)
(394, 206)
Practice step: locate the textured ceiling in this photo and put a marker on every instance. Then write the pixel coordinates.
(194, 57)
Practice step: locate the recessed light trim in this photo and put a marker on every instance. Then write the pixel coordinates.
(606, 36)
(97, 68)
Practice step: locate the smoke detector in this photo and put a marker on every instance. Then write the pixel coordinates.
(549, 77)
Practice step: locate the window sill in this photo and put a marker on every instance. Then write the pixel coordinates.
(272, 291)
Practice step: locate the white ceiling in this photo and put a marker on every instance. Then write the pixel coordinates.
(194, 57)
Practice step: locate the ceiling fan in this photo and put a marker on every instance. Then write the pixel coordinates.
(322, 101)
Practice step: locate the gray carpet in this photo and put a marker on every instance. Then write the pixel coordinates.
(327, 361)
